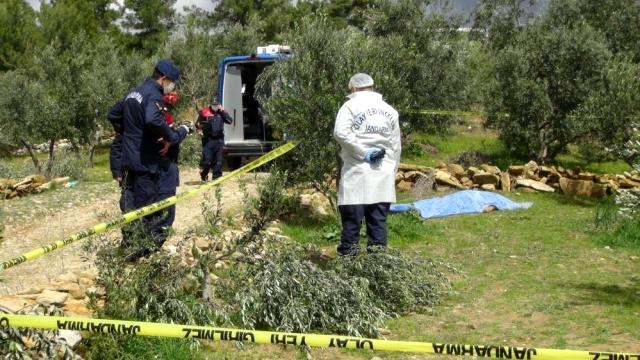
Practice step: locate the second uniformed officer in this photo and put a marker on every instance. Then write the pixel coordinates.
(211, 121)
(139, 122)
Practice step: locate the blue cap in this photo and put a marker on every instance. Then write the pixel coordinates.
(168, 69)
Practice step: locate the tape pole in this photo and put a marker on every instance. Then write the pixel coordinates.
(149, 209)
(138, 328)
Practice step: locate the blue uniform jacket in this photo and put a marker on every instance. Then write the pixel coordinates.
(139, 122)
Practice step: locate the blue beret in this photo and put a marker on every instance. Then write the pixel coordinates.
(168, 69)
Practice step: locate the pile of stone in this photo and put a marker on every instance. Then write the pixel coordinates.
(10, 188)
(530, 177)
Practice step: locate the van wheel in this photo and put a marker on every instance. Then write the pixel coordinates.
(234, 162)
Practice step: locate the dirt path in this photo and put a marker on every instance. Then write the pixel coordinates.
(41, 219)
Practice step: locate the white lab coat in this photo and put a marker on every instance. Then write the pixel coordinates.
(366, 121)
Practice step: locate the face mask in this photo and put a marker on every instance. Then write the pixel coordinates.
(169, 88)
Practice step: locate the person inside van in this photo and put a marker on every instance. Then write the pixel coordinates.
(211, 122)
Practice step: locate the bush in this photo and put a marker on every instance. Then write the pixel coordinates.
(159, 289)
(398, 284)
(286, 291)
(291, 288)
(616, 227)
(69, 164)
(191, 151)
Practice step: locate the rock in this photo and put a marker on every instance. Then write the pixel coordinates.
(545, 170)
(399, 176)
(466, 182)
(72, 338)
(410, 167)
(411, 175)
(444, 178)
(536, 185)
(625, 183)
(456, 170)
(505, 182)
(404, 186)
(316, 204)
(274, 229)
(516, 170)
(561, 170)
(68, 278)
(544, 180)
(482, 178)
(12, 304)
(531, 166)
(472, 170)
(441, 165)
(170, 250)
(202, 243)
(582, 188)
(488, 187)
(49, 297)
(88, 274)
(96, 291)
(601, 179)
(586, 176)
(6, 183)
(77, 292)
(491, 169)
(31, 290)
(528, 174)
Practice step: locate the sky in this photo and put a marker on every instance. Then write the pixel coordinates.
(205, 4)
(463, 6)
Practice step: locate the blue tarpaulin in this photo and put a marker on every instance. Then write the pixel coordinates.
(461, 202)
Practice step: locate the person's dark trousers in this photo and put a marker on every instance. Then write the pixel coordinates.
(375, 216)
(167, 184)
(140, 188)
(212, 154)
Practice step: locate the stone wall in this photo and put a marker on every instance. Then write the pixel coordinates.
(529, 177)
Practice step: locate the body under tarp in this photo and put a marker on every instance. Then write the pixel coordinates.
(461, 202)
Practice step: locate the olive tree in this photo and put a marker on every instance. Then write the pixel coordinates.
(539, 82)
(301, 96)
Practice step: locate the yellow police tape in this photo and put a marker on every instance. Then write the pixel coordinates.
(149, 209)
(140, 328)
(450, 112)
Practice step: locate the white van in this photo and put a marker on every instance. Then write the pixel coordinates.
(250, 133)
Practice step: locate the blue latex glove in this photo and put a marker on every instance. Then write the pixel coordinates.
(371, 154)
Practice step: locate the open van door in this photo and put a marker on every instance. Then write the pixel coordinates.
(232, 102)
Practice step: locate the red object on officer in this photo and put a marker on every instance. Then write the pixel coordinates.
(206, 112)
(170, 99)
(168, 118)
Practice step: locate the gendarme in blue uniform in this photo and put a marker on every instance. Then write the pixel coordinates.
(139, 122)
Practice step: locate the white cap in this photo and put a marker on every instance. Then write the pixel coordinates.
(360, 80)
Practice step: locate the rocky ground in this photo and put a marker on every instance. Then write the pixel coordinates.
(65, 275)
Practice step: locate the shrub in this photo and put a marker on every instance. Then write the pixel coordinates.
(45, 343)
(69, 164)
(191, 151)
(159, 289)
(284, 290)
(398, 284)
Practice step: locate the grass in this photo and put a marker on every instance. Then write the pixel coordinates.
(470, 136)
(535, 277)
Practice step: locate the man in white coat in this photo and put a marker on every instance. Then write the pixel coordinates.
(368, 131)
